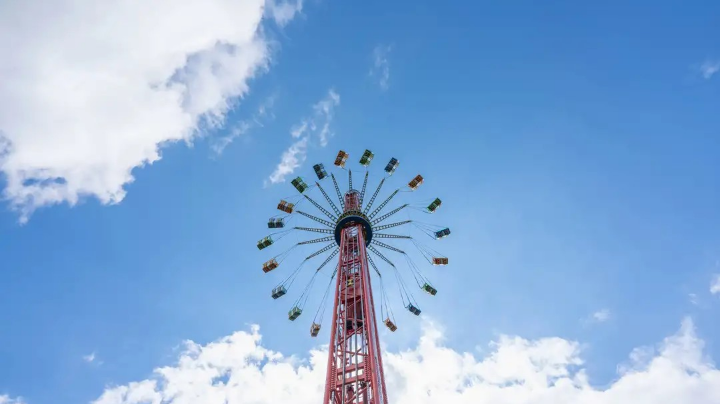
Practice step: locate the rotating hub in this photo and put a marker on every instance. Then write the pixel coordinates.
(351, 218)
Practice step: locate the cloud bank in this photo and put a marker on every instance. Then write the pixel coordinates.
(238, 369)
(91, 90)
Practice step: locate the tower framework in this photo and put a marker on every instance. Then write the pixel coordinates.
(355, 371)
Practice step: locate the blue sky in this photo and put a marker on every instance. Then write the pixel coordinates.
(575, 147)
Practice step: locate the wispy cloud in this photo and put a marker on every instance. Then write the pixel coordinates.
(381, 65)
(324, 112)
(291, 159)
(709, 68)
(283, 11)
(92, 358)
(315, 126)
(694, 299)
(5, 399)
(218, 144)
(715, 285)
(258, 120)
(599, 316)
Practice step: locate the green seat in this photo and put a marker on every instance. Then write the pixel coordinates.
(366, 158)
(299, 184)
(434, 205)
(428, 288)
(294, 313)
(267, 241)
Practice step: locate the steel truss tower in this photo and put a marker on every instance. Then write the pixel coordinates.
(355, 370)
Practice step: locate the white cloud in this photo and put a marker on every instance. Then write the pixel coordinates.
(709, 68)
(283, 11)
(324, 115)
(5, 399)
(715, 285)
(694, 299)
(91, 90)
(601, 316)
(92, 358)
(219, 144)
(291, 159)
(258, 119)
(89, 358)
(381, 65)
(238, 369)
(318, 125)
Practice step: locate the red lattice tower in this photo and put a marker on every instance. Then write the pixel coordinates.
(355, 371)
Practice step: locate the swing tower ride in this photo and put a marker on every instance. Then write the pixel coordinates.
(353, 230)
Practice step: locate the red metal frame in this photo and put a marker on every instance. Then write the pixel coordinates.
(355, 370)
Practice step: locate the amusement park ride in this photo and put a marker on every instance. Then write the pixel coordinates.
(355, 369)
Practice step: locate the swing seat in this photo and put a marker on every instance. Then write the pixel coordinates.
(442, 233)
(415, 183)
(428, 288)
(314, 330)
(390, 325)
(278, 291)
(274, 223)
(392, 166)
(294, 313)
(270, 265)
(341, 159)
(434, 205)
(366, 158)
(299, 184)
(439, 261)
(267, 241)
(285, 206)
(320, 171)
(412, 309)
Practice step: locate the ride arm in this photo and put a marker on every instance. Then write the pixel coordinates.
(337, 189)
(387, 215)
(382, 205)
(327, 231)
(372, 263)
(323, 210)
(372, 198)
(315, 218)
(379, 254)
(362, 193)
(328, 259)
(317, 240)
(387, 246)
(391, 225)
(327, 198)
(383, 235)
(320, 251)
